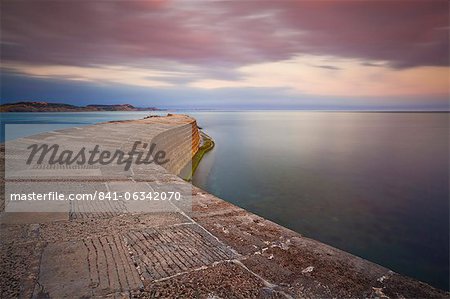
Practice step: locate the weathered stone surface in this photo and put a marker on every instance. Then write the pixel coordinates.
(26, 217)
(77, 229)
(164, 252)
(224, 280)
(98, 266)
(64, 271)
(19, 267)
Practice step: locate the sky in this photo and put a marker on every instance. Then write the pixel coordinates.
(363, 55)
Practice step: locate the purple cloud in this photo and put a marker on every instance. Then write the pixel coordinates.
(223, 34)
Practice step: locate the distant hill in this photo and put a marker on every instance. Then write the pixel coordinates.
(59, 107)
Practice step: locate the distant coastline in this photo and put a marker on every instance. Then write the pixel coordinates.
(61, 107)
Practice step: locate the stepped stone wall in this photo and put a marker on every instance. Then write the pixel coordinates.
(180, 144)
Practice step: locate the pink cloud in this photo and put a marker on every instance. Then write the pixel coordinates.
(404, 33)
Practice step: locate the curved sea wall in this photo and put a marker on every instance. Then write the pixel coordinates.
(213, 249)
(180, 144)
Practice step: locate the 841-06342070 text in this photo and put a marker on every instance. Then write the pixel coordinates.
(102, 196)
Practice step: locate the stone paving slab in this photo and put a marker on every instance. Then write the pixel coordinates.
(19, 267)
(64, 272)
(164, 252)
(27, 218)
(98, 266)
(223, 280)
(84, 228)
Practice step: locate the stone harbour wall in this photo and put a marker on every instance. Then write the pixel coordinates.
(214, 249)
(180, 144)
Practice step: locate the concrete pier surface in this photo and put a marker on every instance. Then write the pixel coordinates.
(208, 249)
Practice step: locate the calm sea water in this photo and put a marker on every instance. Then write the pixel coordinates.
(373, 184)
